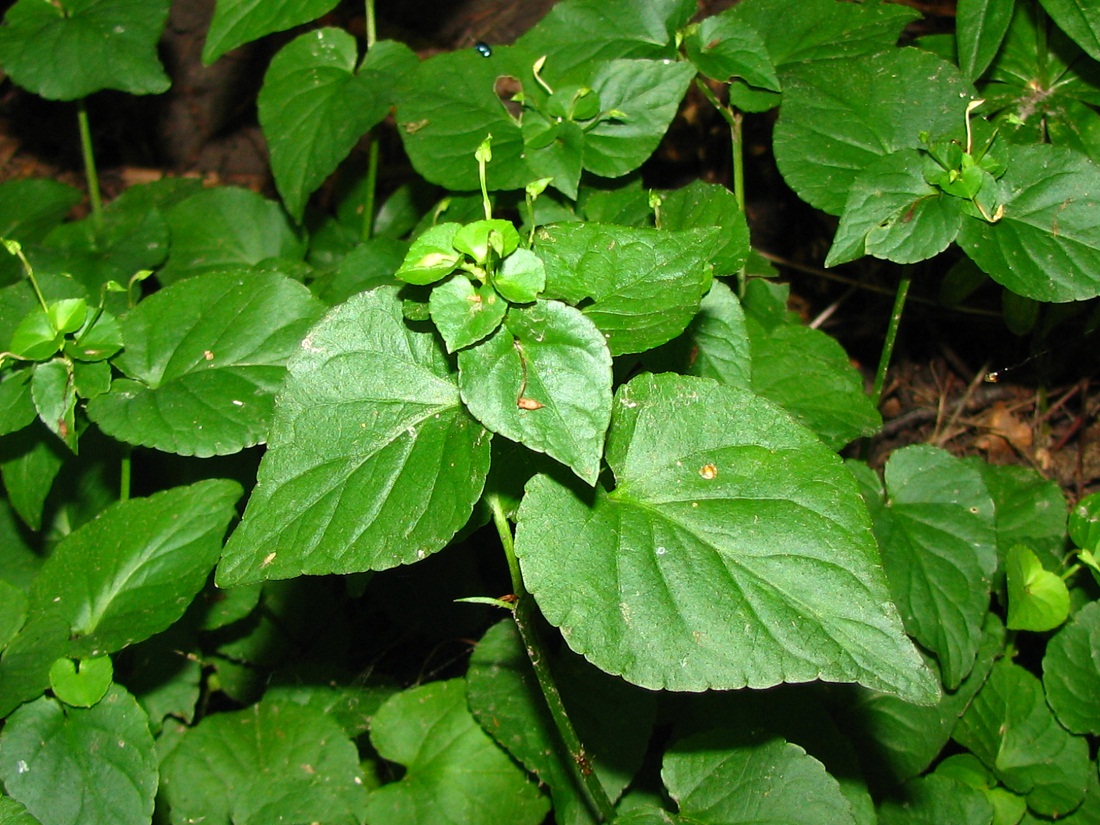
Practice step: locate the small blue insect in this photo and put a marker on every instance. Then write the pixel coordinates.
(483, 48)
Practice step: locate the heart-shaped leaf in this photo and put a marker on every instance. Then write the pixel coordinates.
(454, 771)
(372, 459)
(114, 42)
(205, 357)
(464, 313)
(734, 551)
(1038, 600)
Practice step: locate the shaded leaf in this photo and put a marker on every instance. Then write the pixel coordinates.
(1071, 671)
(237, 22)
(103, 757)
(454, 771)
(936, 799)
(1079, 19)
(980, 28)
(271, 762)
(114, 42)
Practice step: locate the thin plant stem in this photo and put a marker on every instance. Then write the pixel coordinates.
(525, 615)
(124, 480)
(367, 229)
(89, 165)
(891, 337)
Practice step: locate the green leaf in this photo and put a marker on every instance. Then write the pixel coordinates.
(36, 338)
(1031, 510)
(1071, 671)
(839, 116)
(97, 340)
(16, 405)
(271, 762)
(702, 204)
(31, 207)
(81, 683)
(237, 22)
(521, 278)
(447, 107)
(464, 313)
(1084, 523)
(13, 611)
(544, 380)
(715, 344)
(454, 771)
(1080, 20)
(432, 255)
(102, 757)
(980, 28)
(55, 399)
(808, 374)
(504, 696)
(25, 667)
(899, 740)
(372, 459)
(114, 42)
(894, 214)
(1047, 245)
(644, 96)
(1037, 599)
(29, 462)
(748, 776)
(734, 551)
(133, 571)
(579, 34)
(723, 48)
(13, 813)
(226, 228)
(205, 357)
(314, 106)
(368, 264)
(1010, 728)
(645, 285)
(935, 525)
(936, 799)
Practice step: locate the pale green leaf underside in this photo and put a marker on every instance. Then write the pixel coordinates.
(207, 355)
(372, 460)
(735, 551)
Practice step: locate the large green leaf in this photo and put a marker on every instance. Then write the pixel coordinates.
(1031, 510)
(113, 42)
(31, 207)
(1080, 19)
(30, 460)
(454, 771)
(447, 108)
(579, 34)
(237, 22)
(935, 525)
(315, 105)
(644, 95)
(643, 286)
(372, 459)
(1071, 671)
(81, 766)
(721, 777)
(839, 116)
(709, 204)
(981, 26)
(544, 380)
(205, 357)
(733, 551)
(14, 813)
(226, 228)
(272, 762)
(1012, 730)
(133, 571)
(505, 698)
(1047, 245)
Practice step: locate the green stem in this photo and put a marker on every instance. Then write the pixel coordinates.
(372, 31)
(124, 481)
(367, 231)
(525, 615)
(891, 338)
(89, 165)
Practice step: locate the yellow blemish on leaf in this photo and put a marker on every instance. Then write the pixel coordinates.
(708, 471)
(528, 404)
